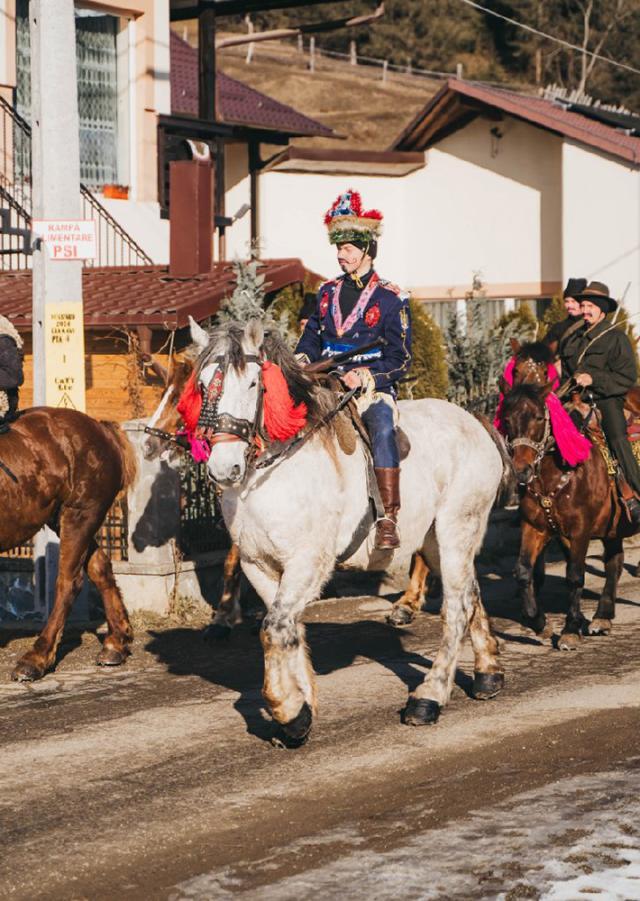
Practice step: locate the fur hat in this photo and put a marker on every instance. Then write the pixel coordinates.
(574, 287)
(349, 223)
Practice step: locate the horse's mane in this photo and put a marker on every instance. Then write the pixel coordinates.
(226, 341)
(511, 400)
(537, 351)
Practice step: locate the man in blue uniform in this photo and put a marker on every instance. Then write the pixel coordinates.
(351, 311)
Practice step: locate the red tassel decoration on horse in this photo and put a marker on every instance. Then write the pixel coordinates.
(190, 404)
(282, 419)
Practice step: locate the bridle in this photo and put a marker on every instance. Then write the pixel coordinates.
(215, 427)
(540, 447)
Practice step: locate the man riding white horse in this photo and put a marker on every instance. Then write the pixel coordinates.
(352, 311)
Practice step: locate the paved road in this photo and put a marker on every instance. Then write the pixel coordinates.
(157, 780)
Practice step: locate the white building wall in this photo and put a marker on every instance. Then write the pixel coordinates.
(486, 204)
(481, 204)
(237, 193)
(292, 207)
(142, 221)
(601, 221)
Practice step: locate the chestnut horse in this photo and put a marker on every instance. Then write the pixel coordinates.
(229, 612)
(63, 469)
(574, 504)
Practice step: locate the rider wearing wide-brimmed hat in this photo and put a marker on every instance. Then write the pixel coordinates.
(561, 331)
(600, 357)
(352, 311)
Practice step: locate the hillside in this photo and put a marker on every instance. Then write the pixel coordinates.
(352, 100)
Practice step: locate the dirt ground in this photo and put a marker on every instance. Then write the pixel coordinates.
(158, 779)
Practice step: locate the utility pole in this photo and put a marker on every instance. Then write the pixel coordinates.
(58, 322)
(58, 327)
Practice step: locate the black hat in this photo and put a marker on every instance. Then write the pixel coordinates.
(574, 287)
(368, 246)
(598, 293)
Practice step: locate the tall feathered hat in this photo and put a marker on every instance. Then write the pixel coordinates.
(349, 223)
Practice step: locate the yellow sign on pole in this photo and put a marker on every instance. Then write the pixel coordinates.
(64, 350)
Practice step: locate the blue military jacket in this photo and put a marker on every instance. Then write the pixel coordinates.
(381, 311)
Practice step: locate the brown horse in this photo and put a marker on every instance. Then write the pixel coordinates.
(228, 613)
(64, 470)
(574, 504)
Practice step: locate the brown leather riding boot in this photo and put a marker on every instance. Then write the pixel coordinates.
(386, 529)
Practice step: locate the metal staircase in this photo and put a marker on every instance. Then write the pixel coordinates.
(115, 246)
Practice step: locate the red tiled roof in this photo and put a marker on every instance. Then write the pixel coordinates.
(238, 104)
(127, 296)
(544, 113)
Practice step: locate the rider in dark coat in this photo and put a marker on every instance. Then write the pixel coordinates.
(561, 331)
(350, 312)
(11, 373)
(601, 358)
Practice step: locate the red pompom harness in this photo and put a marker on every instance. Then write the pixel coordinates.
(282, 419)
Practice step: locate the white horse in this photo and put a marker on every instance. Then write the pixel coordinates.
(294, 519)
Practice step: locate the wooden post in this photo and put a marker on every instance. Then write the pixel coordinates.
(385, 67)
(250, 46)
(300, 44)
(312, 54)
(459, 71)
(207, 64)
(353, 53)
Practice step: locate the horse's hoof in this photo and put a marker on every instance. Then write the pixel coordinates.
(568, 641)
(600, 627)
(400, 616)
(26, 672)
(487, 685)
(296, 732)
(111, 657)
(421, 712)
(217, 632)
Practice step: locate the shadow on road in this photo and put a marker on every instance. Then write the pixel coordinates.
(238, 664)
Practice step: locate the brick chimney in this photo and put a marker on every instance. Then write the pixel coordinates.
(190, 217)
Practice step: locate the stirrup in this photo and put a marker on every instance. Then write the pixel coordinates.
(387, 541)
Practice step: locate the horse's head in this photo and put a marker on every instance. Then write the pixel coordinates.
(251, 391)
(229, 372)
(166, 418)
(525, 419)
(531, 363)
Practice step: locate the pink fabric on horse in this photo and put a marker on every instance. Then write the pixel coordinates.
(573, 446)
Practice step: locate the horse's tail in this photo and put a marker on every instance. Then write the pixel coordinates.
(127, 454)
(507, 486)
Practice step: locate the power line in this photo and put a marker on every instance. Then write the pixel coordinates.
(550, 37)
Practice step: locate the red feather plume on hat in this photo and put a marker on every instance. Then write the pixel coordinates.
(356, 207)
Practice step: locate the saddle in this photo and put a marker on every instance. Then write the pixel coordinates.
(587, 418)
(349, 423)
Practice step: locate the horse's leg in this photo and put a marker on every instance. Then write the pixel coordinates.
(229, 613)
(409, 605)
(458, 540)
(575, 620)
(77, 529)
(115, 648)
(289, 681)
(532, 545)
(488, 674)
(601, 624)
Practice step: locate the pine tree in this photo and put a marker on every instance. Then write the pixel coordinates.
(479, 351)
(428, 374)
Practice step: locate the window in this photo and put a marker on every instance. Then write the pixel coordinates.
(96, 59)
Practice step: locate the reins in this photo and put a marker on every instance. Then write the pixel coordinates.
(297, 442)
(542, 448)
(223, 427)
